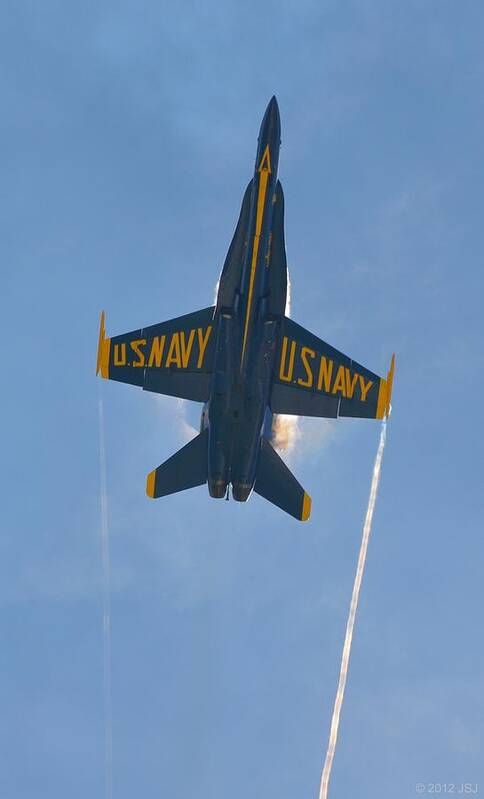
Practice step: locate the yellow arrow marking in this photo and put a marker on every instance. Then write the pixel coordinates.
(264, 170)
(265, 161)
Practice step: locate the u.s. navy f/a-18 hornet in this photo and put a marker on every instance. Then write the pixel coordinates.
(245, 360)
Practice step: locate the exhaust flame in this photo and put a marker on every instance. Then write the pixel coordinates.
(338, 702)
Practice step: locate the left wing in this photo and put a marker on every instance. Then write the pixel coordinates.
(314, 379)
(174, 357)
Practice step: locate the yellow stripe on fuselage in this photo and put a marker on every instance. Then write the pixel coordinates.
(264, 172)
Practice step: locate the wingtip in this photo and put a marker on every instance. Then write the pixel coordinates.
(103, 348)
(385, 392)
(150, 484)
(306, 508)
(100, 342)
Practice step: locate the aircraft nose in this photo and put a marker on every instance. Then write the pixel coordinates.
(270, 130)
(273, 108)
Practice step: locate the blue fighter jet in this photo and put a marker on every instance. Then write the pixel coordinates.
(245, 360)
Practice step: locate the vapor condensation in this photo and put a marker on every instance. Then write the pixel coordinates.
(285, 429)
(108, 725)
(217, 284)
(338, 702)
(288, 296)
(285, 432)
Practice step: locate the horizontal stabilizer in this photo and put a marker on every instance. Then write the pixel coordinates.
(276, 483)
(187, 468)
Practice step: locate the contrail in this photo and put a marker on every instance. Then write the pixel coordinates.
(108, 725)
(338, 702)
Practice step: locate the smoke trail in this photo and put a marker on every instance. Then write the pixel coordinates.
(333, 736)
(108, 726)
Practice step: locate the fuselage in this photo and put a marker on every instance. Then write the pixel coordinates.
(250, 303)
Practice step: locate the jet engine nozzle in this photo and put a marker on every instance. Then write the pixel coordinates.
(217, 488)
(241, 491)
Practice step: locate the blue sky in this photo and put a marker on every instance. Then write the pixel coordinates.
(128, 134)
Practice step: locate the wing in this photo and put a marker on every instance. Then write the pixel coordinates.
(174, 357)
(314, 379)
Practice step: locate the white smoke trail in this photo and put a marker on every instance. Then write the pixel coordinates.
(108, 725)
(338, 702)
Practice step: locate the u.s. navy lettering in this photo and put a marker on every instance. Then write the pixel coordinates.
(306, 367)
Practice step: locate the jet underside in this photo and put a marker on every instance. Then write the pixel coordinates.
(245, 360)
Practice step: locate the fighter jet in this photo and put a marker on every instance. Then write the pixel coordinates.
(245, 360)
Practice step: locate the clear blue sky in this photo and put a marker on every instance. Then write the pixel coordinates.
(128, 133)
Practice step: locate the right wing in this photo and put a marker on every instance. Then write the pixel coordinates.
(314, 379)
(174, 357)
